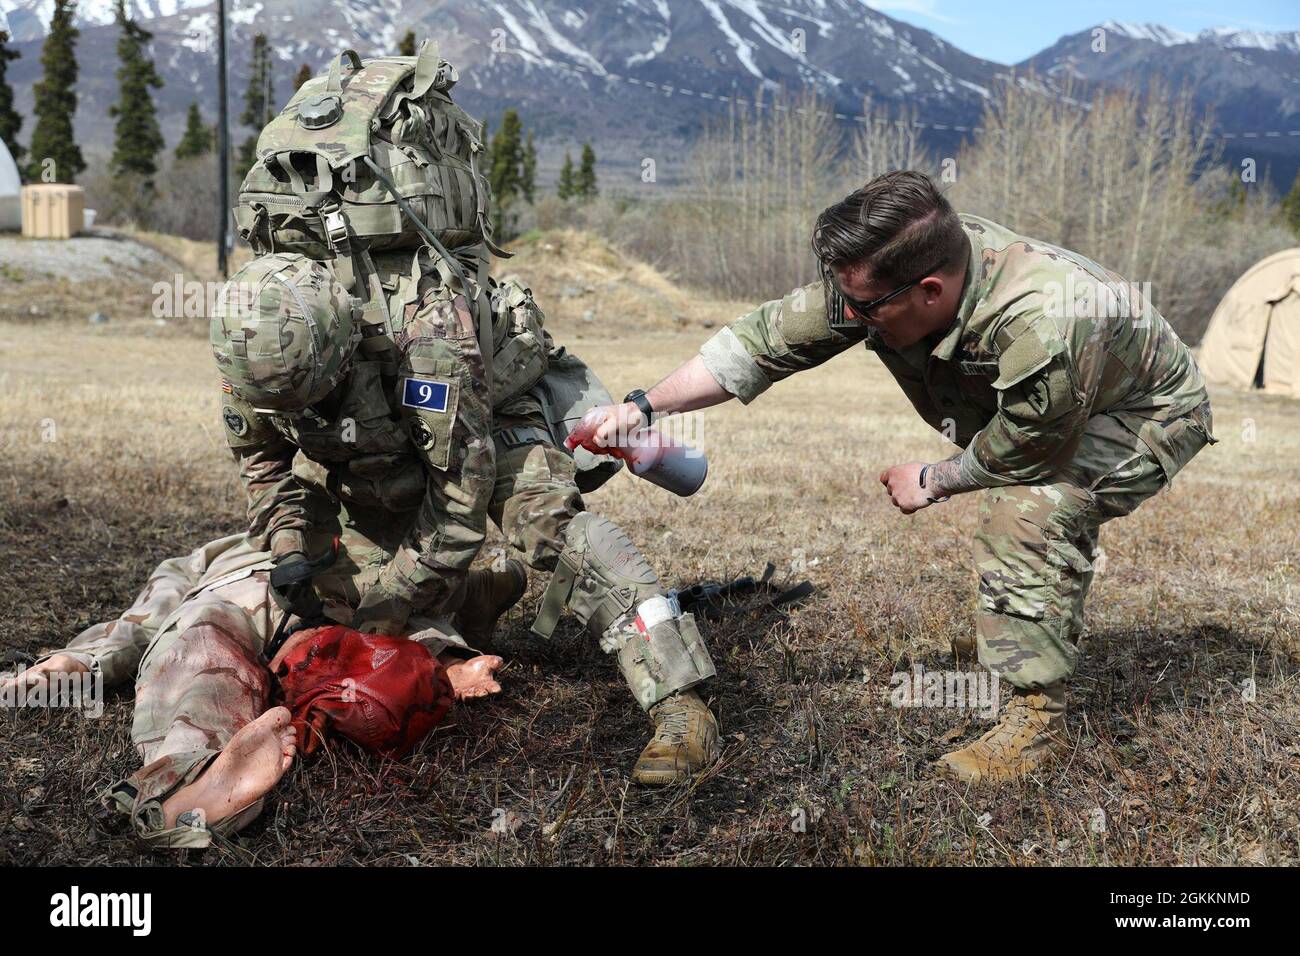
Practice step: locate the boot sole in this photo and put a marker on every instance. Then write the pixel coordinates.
(659, 778)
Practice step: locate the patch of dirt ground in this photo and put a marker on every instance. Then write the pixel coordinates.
(1185, 712)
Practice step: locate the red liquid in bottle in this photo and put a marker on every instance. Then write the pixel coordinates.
(649, 454)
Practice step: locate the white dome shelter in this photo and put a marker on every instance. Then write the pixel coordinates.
(10, 186)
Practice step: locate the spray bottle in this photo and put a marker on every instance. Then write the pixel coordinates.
(649, 454)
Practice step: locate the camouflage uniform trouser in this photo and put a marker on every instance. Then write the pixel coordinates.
(1035, 546)
(195, 633)
(536, 504)
(536, 493)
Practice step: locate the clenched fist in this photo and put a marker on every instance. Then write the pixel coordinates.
(903, 482)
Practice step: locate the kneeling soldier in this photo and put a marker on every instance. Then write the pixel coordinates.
(597, 573)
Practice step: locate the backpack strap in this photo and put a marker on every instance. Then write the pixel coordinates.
(486, 333)
(376, 321)
(484, 227)
(369, 305)
(431, 72)
(428, 67)
(335, 82)
(482, 301)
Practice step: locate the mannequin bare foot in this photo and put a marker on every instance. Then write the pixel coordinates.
(472, 678)
(39, 673)
(250, 765)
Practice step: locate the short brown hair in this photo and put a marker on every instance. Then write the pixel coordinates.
(899, 225)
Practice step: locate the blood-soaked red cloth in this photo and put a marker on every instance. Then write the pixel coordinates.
(384, 693)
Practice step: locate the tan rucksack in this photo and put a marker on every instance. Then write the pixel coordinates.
(316, 156)
(374, 156)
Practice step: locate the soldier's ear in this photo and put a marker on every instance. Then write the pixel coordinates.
(932, 288)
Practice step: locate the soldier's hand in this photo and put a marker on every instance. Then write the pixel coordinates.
(620, 421)
(903, 483)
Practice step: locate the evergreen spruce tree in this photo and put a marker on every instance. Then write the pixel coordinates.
(197, 138)
(137, 138)
(584, 186)
(407, 46)
(54, 155)
(565, 188)
(506, 158)
(10, 119)
(528, 170)
(259, 103)
(304, 74)
(1291, 207)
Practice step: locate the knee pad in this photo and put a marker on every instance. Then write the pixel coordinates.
(605, 581)
(600, 577)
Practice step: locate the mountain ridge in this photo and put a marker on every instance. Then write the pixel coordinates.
(648, 74)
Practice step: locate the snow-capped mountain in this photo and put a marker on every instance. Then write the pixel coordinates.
(648, 73)
(1226, 38)
(645, 71)
(1249, 80)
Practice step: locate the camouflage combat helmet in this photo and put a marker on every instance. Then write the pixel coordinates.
(283, 332)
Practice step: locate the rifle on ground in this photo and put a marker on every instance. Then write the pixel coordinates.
(713, 599)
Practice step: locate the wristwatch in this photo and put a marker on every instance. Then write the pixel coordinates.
(637, 398)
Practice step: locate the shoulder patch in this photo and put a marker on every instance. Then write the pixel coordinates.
(1030, 351)
(802, 316)
(236, 422)
(421, 434)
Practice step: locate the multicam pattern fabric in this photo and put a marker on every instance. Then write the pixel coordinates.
(192, 641)
(398, 464)
(1069, 394)
(282, 333)
(1044, 340)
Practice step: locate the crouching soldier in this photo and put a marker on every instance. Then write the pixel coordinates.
(1071, 397)
(374, 445)
(382, 440)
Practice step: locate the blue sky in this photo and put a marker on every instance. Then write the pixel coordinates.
(1010, 30)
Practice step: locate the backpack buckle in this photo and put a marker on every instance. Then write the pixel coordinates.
(335, 225)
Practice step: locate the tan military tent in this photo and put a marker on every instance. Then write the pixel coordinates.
(1253, 340)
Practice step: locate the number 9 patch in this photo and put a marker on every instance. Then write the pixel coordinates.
(431, 416)
(425, 394)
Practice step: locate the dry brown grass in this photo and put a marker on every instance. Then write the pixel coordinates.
(1198, 595)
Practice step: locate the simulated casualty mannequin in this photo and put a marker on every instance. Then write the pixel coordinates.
(211, 747)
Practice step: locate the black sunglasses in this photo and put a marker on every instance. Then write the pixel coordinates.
(861, 309)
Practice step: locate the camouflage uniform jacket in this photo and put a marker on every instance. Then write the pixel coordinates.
(388, 443)
(1044, 339)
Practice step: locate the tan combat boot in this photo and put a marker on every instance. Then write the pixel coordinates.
(1030, 734)
(685, 741)
(488, 595)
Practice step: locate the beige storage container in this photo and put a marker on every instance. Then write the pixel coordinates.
(53, 210)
